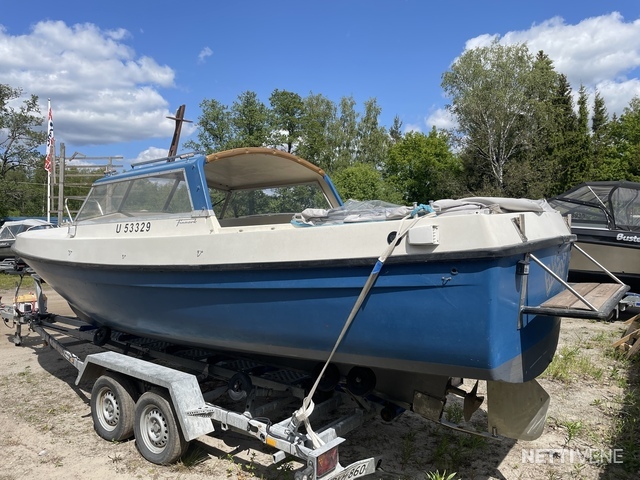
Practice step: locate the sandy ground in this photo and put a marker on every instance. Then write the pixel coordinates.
(46, 430)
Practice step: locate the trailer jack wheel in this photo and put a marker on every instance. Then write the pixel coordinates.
(158, 436)
(112, 407)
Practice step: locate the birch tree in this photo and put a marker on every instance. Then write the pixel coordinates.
(490, 92)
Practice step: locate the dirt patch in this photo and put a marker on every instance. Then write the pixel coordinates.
(47, 430)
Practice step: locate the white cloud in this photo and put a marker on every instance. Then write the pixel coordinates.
(151, 153)
(204, 53)
(411, 127)
(441, 119)
(598, 52)
(101, 90)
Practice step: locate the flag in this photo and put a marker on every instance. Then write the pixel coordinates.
(51, 142)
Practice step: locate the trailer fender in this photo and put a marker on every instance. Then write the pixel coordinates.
(183, 387)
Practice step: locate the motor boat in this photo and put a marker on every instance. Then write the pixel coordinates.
(605, 216)
(253, 251)
(10, 229)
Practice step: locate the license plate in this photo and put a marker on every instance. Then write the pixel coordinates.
(355, 470)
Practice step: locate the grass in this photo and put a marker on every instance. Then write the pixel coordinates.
(593, 358)
(454, 412)
(569, 365)
(9, 282)
(454, 450)
(573, 430)
(440, 476)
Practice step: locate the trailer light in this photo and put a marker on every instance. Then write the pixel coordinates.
(327, 462)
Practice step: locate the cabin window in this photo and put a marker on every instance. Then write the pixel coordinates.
(267, 201)
(161, 194)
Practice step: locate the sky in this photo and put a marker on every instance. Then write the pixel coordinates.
(114, 70)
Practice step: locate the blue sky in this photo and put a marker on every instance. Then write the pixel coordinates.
(114, 70)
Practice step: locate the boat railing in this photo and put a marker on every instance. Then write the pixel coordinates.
(182, 156)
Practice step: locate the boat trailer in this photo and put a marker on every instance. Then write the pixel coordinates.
(165, 408)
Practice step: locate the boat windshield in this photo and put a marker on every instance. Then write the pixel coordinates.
(267, 201)
(162, 194)
(601, 206)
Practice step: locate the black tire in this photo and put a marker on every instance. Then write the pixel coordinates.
(112, 407)
(158, 435)
(101, 336)
(240, 386)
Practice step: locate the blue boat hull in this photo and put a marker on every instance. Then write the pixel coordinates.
(457, 318)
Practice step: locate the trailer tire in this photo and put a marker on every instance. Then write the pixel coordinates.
(112, 407)
(158, 435)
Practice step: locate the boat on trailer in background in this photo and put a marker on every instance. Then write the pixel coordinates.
(605, 216)
(10, 229)
(252, 252)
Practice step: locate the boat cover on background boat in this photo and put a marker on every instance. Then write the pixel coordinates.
(606, 205)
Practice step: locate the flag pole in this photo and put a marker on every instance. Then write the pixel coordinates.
(49, 197)
(48, 163)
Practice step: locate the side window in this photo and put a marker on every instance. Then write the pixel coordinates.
(267, 201)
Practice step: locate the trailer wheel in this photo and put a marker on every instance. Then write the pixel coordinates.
(112, 407)
(158, 436)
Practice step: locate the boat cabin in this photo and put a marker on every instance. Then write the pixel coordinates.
(246, 186)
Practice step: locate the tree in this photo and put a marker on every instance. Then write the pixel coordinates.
(490, 96)
(286, 119)
(317, 141)
(250, 121)
(214, 128)
(373, 139)
(578, 168)
(395, 131)
(535, 170)
(607, 165)
(363, 181)
(422, 167)
(345, 130)
(20, 138)
(626, 132)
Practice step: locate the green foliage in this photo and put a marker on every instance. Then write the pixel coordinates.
(364, 182)
(422, 167)
(317, 143)
(491, 96)
(214, 131)
(20, 136)
(440, 476)
(250, 121)
(568, 365)
(286, 118)
(626, 138)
